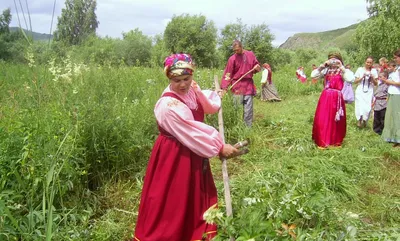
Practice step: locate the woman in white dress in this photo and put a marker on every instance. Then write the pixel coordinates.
(366, 78)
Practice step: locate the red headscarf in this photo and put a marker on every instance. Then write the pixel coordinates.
(266, 66)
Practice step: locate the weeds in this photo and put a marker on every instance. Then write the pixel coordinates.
(75, 141)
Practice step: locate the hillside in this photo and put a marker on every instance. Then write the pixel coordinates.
(35, 35)
(341, 38)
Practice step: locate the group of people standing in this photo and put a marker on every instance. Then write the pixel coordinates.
(178, 185)
(329, 128)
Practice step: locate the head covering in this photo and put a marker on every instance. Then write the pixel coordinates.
(178, 64)
(335, 55)
(266, 66)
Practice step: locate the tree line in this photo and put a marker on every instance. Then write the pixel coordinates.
(75, 35)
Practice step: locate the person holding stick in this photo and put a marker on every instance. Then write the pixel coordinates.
(238, 77)
(178, 186)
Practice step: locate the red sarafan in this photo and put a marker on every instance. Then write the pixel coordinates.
(178, 189)
(329, 127)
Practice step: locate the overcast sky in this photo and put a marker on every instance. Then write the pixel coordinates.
(284, 17)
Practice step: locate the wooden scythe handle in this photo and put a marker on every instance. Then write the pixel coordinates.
(227, 192)
(237, 81)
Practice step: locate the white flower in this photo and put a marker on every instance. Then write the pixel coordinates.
(352, 215)
(212, 214)
(31, 58)
(135, 102)
(150, 81)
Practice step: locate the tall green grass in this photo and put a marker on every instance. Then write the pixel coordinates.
(73, 152)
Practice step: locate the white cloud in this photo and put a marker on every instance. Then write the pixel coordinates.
(284, 17)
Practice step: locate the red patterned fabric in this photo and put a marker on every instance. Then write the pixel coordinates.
(237, 66)
(329, 127)
(178, 188)
(178, 64)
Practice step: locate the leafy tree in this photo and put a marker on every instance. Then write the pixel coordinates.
(194, 35)
(5, 20)
(158, 51)
(303, 56)
(280, 57)
(380, 35)
(371, 7)
(11, 48)
(230, 33)
(78, 20)
(256, 38)
(135, 48)
(259, 40)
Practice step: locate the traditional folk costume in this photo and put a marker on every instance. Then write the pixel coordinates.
(329, 128)
(244, 90)
(314, 80)
(364, 93)
(391, 131)
(268, 92)
(178, 185)
(301, 76)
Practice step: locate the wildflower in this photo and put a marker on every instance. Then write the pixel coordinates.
(135, 102)
(150, 81)
(352, 215)
(212, 214)
(250, 201)
(30, 57)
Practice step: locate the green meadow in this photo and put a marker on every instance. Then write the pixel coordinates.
(75, 140)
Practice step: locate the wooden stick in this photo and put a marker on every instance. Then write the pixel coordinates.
(227, 192)
(237, 81)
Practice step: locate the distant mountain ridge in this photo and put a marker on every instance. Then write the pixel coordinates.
(341, 38)
(35, 35)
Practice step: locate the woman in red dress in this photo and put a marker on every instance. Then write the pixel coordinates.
(178, 185)
(329, 127)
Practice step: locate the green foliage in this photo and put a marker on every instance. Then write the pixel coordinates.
(135, 48)
(280, 57)
(194, 35)
(342, 38)
(5, 20)
(259, 40)
(11, 46)
(158, 51)
(256, 38)
(231, 32)
(380, 35)
(35, 35)
(305, 55)
(75, 140)
(78, 20)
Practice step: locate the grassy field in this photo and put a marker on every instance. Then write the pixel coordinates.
(74, 144)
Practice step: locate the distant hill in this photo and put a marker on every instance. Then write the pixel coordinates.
(341, 38)
(36, 36)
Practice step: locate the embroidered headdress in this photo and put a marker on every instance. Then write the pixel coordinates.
(178, 64)
(335, 55)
